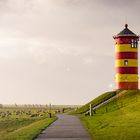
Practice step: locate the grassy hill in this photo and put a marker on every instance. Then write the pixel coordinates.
(117, 120)
(95, 102)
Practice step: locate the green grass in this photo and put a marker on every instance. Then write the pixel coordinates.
(29, 132)
(117, 120)
(23, 124)
(9, 125)
(95, 102)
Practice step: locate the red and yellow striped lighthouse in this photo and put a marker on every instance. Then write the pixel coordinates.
(126, 63)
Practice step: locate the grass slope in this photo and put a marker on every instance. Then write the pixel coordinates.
(95, 102)
(117, 120)
(29, 132)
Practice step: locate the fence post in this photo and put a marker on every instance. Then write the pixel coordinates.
(106, 109)
(90, 110)
(50, 115)
(94, 111)
(121, 104)
(136, 98)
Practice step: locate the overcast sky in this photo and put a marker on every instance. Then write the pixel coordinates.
(60, 51)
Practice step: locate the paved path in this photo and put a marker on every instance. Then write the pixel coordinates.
(67, 127)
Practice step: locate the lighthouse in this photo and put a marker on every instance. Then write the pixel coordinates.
(126, 62)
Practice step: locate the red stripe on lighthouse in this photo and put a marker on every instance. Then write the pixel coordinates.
(127, 70)
(124, 40)
(127, 85)
(126, 55)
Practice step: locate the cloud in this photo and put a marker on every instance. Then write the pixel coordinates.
(88, 60)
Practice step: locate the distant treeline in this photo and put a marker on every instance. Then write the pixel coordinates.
(37, 106)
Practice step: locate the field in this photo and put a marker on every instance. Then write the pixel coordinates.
(117, 120)
(24, 123)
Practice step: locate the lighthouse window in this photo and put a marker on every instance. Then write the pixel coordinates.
(125, 62)
(134, 43)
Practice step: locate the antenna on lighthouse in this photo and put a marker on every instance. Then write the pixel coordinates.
(126, 25)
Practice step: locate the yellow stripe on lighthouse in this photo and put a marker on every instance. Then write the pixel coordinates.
(126, 77)
(131, 63)
(125, 48)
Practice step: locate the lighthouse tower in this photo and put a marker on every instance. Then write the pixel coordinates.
(126, 63)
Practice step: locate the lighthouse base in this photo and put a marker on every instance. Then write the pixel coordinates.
(127, 85)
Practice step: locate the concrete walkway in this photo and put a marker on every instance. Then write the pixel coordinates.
(67, 127)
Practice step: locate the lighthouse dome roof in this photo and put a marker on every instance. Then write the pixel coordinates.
(125, 32)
